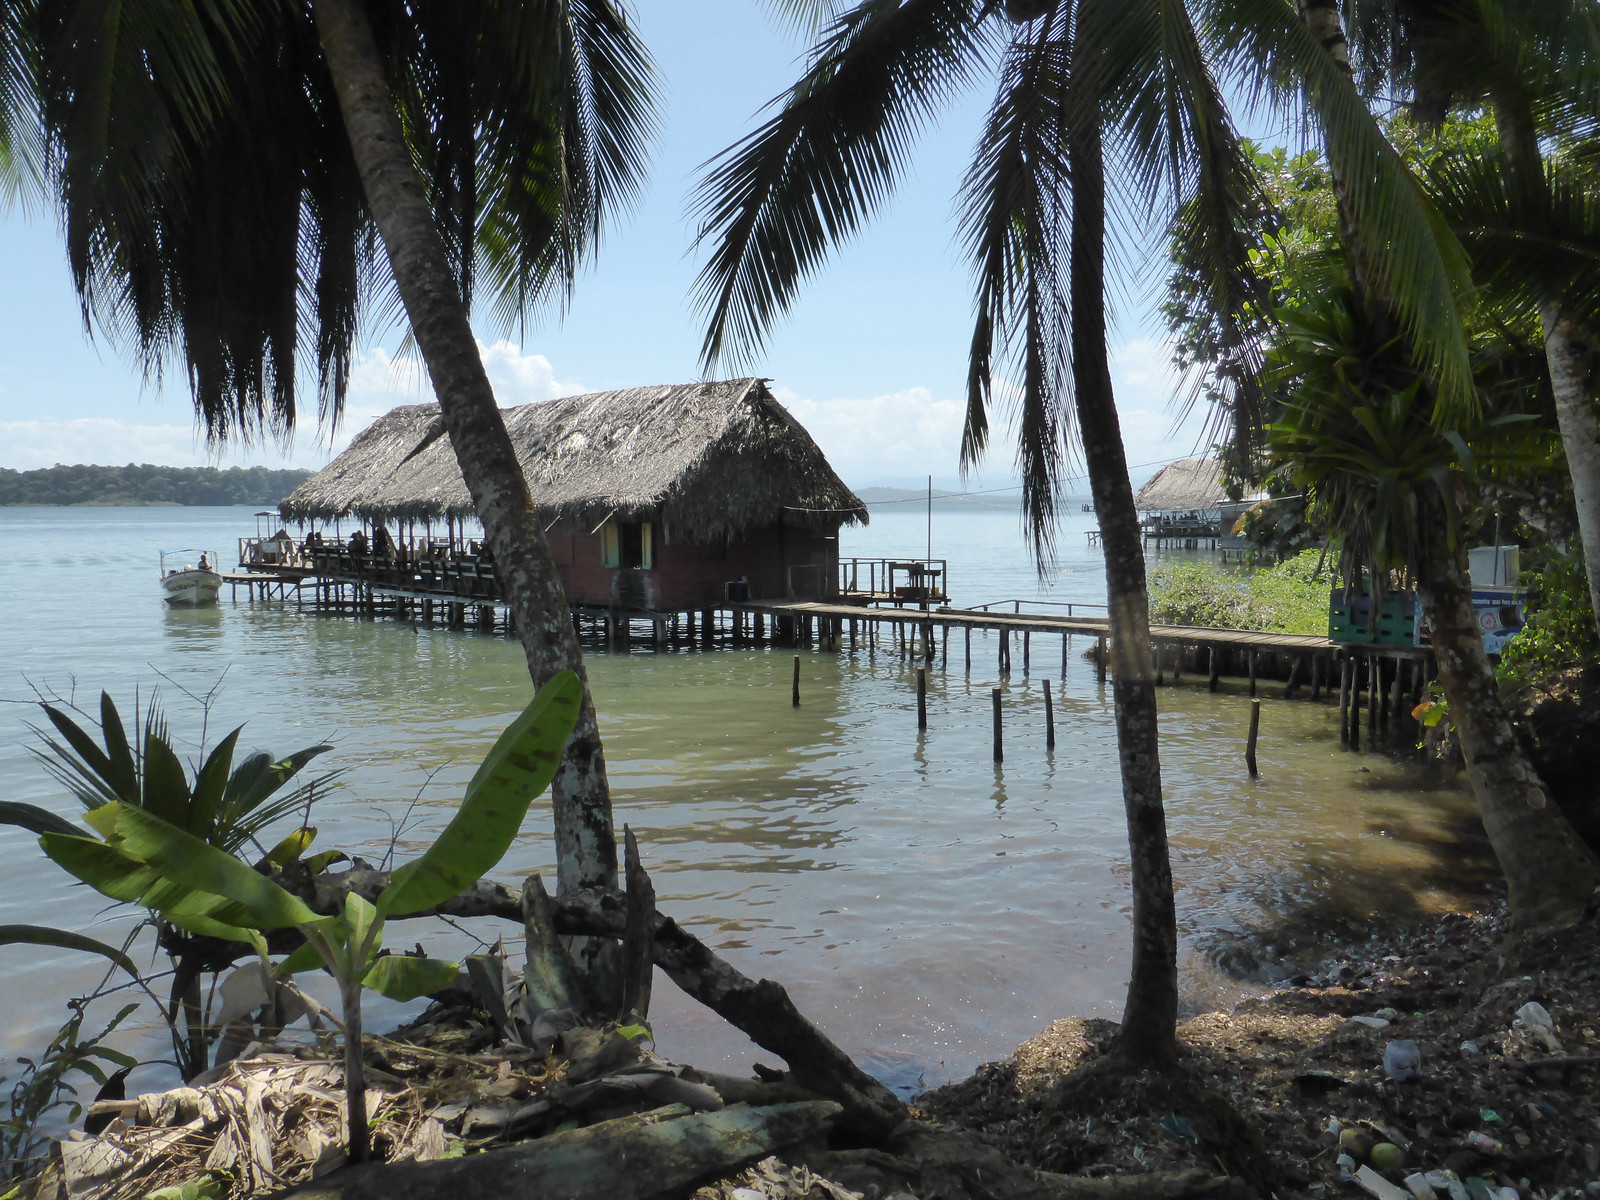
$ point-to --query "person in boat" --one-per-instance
(205, 563)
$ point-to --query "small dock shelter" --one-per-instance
(656, 499)
(1186, 505)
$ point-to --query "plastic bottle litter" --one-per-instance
(1470, 1049)
(1478, 1140)
(1374, 1184)
(1419, 1187)
(1346, 1165)
(1402, 1059)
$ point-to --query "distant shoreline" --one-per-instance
(144, 485)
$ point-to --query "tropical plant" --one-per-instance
(480, 146)
(1081, 83)
(46, 1084)
(222, 804)
(1535, 66)
(1359, 436)
(207, 891)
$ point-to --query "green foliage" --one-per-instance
(1560, 630)
(223, 805)
(51, 1083)
(144, 483)
(1291, 597)
(205, 890)
(110, 766)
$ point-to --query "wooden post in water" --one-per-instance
(1049, 719)
(1374, 690)
(1294, 678)
(1355, 703)
(797, 681)
(1161, 670)
(1250, 744)
(944, 645)
(1316, 675)
(1005, 652)
(1396, 697)
(967, 631)
(999, 754)
(922, 697)
(1252, 671)
(1066, 641)
(1344, 699)
(1214, 662)
(1100, 657)
(1027, 639)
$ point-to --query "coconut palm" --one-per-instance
(1082, 83)
(227, 173)
(1359, 440)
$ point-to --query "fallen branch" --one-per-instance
(760, 1008)
(640, 1157)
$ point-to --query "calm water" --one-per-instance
(929, 909)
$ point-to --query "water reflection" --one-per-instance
(192, 628)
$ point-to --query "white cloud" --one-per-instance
(904, 436)
(378, 382)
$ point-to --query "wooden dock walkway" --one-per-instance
(1385, 680)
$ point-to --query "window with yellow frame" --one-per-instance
(627, 545)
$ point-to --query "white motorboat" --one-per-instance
(190, 581)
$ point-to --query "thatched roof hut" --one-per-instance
(1188, 485)
(710, 459)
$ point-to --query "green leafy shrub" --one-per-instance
(1560, 630)
(1291, 597)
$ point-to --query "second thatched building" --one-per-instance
(656, 498)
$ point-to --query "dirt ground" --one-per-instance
(1275, 1091)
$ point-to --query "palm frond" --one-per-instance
(1404, 245)
(1012, 215)
(774, 205)
(1181, 153)
(1528, 243)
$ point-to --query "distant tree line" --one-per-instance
(145, 483)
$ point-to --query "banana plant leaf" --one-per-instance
(518, 768)
(41, 935)
(192, 864)
(401, 977)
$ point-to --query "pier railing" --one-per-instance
(1071, 606)
(902, 580)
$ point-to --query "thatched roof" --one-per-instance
(709, 459)
(1189, 483)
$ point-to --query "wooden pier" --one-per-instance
(1374, 685)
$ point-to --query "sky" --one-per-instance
(872, 361)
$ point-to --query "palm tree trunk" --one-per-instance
(1550, 874)
(1577, 415)
(1150, 1016)
(585, 842)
